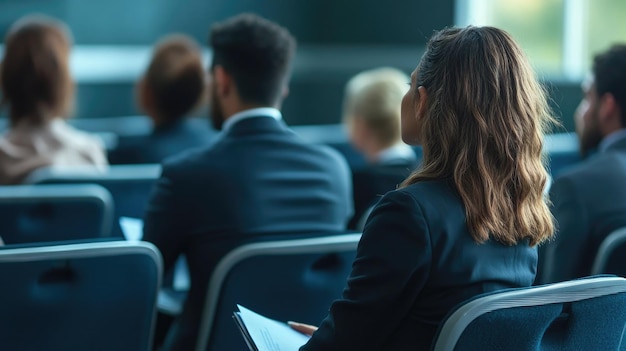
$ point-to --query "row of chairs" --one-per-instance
(130, 185)
(75, 203)
(102, 296)
(124, 192)
(68, 211)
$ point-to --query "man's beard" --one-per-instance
(590, 137)
(217, 114)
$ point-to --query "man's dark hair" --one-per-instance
(256, 53)
(609, 70)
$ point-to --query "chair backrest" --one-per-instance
(611, 256)
(363, 220)
(285, 280)
(583, 314)
(45, 213)
(130, 185)
(95, 296)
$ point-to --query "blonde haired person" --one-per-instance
(172, 87)
(38, 89)
(467, 222)
(372, 116)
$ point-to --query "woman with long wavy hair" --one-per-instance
(468, 221)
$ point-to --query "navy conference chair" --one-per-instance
(582, 314)
(611, 256)
(285, 280)
(130, 185)
(364, 217)
(47, 213)
(94, 296)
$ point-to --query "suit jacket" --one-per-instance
(588, 203)
(164, 141)
(416, 261)
(258, 178)
(372, 182)
(27, 147)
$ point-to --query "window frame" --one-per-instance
(572, 67)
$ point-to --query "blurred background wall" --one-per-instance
(337, 38)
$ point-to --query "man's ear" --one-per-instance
(422, 102)
(223, 81)
(609, 112)
(358, 131)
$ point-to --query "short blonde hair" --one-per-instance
(375, 96)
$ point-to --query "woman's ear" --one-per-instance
(223, 81)
(146, 101)
(358, 132)
(422, 102)
(143, 95)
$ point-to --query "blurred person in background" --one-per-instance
(38, 90)
(465, 223)
(172, 87)
(372, 114)
(589, 200)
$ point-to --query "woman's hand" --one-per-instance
(303, 328)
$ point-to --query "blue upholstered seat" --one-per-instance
(582, 314)
(45, 213)
(285, 280)
(611, 256)
(130, 185)
(95, 296)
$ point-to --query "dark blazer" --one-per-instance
(415, 262)
(164, 141)
(369, 184)
(588, 203)
(258, 178)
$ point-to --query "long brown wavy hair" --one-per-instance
(483, 127)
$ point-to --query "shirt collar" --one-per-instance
(251, 113)
(397, 152)
(611, 140)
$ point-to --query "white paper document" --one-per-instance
(132, 228)
(264, 334)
